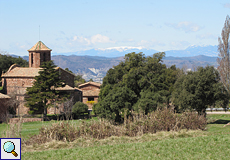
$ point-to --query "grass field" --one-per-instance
(212, 147)
(214, 143)
(32, 128)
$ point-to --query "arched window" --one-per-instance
(32, 58)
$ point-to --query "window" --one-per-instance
(32, 58)
(91, 99)
(44, 57)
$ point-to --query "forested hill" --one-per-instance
(95, 67)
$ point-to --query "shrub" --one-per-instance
(91, 102)
(79, 108)
(137, 125)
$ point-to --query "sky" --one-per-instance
(77, 25)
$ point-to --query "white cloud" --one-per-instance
(207, 36)
(81, 39)
(185, 26)
(227, 5)
(98, 38)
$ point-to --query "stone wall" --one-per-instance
(17, 85)
(67, 77)
(85, 99)
(23, 120)
(36, 58)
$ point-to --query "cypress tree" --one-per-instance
(42, 94)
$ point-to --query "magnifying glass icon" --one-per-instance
(9, 147)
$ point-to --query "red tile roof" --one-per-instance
(39, 46)
(22, 72)
(66, 88)
(92, 83)
(17, 71)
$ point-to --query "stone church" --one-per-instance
(16, 80)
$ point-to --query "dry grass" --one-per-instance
(13, 130)
(113, 140)
(137, 125)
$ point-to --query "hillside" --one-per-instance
(95, 63)
(95, 67)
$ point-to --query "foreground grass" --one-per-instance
(31, 128)
(212, 147)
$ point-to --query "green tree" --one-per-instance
(198, 90)
(90, 80)
(6, 61)
(138, 83)
(67, 69)
(79, 108)
(42, 94)
(78, 80)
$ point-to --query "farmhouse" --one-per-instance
(16, 80)
(91, 92)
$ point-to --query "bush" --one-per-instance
(79, 108)
(136, 125)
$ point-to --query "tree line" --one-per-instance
(6, 61)
(144, 84)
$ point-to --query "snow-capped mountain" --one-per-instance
(193, 50)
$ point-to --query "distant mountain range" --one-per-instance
(208, 50)
(95, 67)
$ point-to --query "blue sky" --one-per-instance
(76, 25)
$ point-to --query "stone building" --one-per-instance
(4, 99)
(91, 92)
(16, 80)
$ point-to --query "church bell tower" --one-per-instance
(38, 54)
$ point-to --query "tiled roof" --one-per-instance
(66, 88)
(39, 46)
(22, 72)
(16, 71)
(65, 70)
(3, 96)
(77, 88)
(91, 92)
(92, 83)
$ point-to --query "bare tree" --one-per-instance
(8, 105)
(3, 110)
(68, 104)
(223, 59)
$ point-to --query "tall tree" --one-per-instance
(138, 83)
(197, 90)
(42, 94)
(223, 61)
